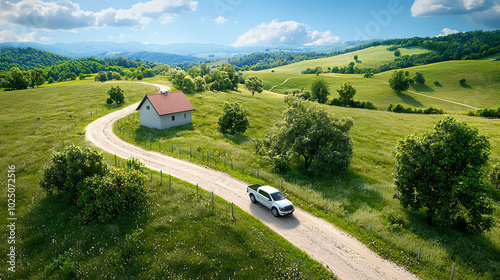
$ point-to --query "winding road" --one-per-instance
(345, 256)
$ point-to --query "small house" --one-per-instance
(165, 109)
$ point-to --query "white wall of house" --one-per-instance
(150, 118)
(148, 115)
(181, 118)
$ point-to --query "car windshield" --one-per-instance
(277, 196)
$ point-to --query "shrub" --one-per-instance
(104, 197)
(63, 264)
(72, 166)
(462, 82)
(234, 119)
(368, 75)
(401, 109)
(437, 83)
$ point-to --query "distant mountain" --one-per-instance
(88, 49)
(167, 58)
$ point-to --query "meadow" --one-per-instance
(355, 199)
(481, 89)
(175, 233)
(367, 58)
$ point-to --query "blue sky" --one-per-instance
(240, 22)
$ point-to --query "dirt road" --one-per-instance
(341, 253)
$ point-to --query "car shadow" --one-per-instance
(263, 214)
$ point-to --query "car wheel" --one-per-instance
(275, 212)
(252, 198)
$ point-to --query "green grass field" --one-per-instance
(174, 234)
(365, 192)
(367, 58)
(483, 82)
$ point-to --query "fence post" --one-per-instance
(419, 250)
(196, 190)
(190, 152)
(169, 181)
(370, 229)
(231, 163)
(180, 150)
(212, 199)
(274, 247)
(151, 172)
(452, 271)
(161, 177)
(115, 159)
(298, 268)
(208, 155)
(172, 147)
(347, 218)
(307, 198)
(232, 209)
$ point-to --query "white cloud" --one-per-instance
(446, 32)
(486, 12)
(285, 33)
(220, 20)
(13, 36)
(449, 7)
(66, 15)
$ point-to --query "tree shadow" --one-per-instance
(477, 251)
(422, 87)
(53, 226)
(237, 139)
(359, 61)
(410, 100)
(348, 188)
(464, 85)
(143, 133)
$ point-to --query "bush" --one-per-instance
(69, 168)
(437, 83)
(401, 109)
(462, 82)
(100, 193)
(368, 75)
(234, 119)
(104, 197)
(495, 175)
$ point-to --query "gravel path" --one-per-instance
(345, 256)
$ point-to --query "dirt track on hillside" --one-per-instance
(346, 257)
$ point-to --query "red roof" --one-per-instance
(173, 102)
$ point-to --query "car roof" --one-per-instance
(269, 189)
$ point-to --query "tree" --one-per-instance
(116, 94)
(398, 81)
(101, 77)
(178, 78)
(319, 90)
(234, 119)
(308, 133)
(397, 53)
(140, 77)
(200, 84)
(346, 92)
(356, 57)
(189, 84)
(440, 172)
(17, 79)
(419, 78)
(36, 78)
(462, 82)
(253, 84)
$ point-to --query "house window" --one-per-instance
(173, 118)
(147, 107)
(184, 115)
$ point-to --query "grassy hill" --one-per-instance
(173, 235)
(481, 91)
(365, 192)
(367, 58)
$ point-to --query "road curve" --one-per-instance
(345, 256)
